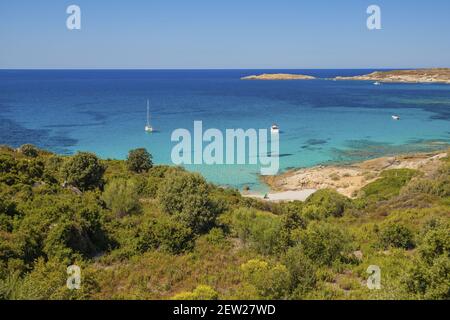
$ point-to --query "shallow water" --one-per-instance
(321, 120)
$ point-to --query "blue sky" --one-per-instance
(224, 34)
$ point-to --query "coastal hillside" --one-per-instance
(144, 231)
(436, 75)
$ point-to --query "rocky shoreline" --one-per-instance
(438, 75)
(433, 75)
(345, 179)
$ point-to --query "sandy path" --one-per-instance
(290, 195)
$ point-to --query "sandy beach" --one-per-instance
(299, 184)
(290, 195)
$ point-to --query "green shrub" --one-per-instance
(166, 234)
(20, 171)
(429, 281)
(186, 196)
(201, 292)
(84, 171)
(62, 227)
(271, 281)
(325, 203)
(7, 207)
(216, 236)
(292, 215)
(48, 281)
(292, 221)
(324, 243)
(29, 150)
(139, 160)
(397, 236)
(263, 231)
(435, 242)
(121, 196)
(302, 272)
(388, 185)
(45, 227)
(152, 186)
(53, 169)
(155, 178)
(7, 163)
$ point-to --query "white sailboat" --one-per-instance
(148, 127)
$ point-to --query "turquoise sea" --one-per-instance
(322, 121)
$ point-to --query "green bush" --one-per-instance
(186, 196)
(292, 215)
(429, 278)
(429, 281)
(292, 220)
(435, 242)
(139, 160)
(216, 236)
(302, 272)
(397, 236)
(84, 170)
(325, 203)
(121, 196)
(20, 171)
(155, 178)
(324, 243)
(300, 250)
(388, 185)
(7, 207)
(201, 292)
(263, 231)
(271, 281)
(60, 227)
(29, 150)
(53, 169)
(166, 234)
(48, 281)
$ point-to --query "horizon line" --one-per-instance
(206, 69)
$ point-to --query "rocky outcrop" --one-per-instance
(348, 180)
(438, 75)
(278, 76)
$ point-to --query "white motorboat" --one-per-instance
(395, 117)
(274, 129)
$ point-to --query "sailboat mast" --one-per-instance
(148, 113)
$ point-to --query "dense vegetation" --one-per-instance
(140, 231)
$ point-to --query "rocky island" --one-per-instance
(435, 75)
(278, 76)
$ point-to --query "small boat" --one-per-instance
(377, 83)
(274, 129)
(148, 127)
(396, 117)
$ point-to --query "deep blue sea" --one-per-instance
(322, 121)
